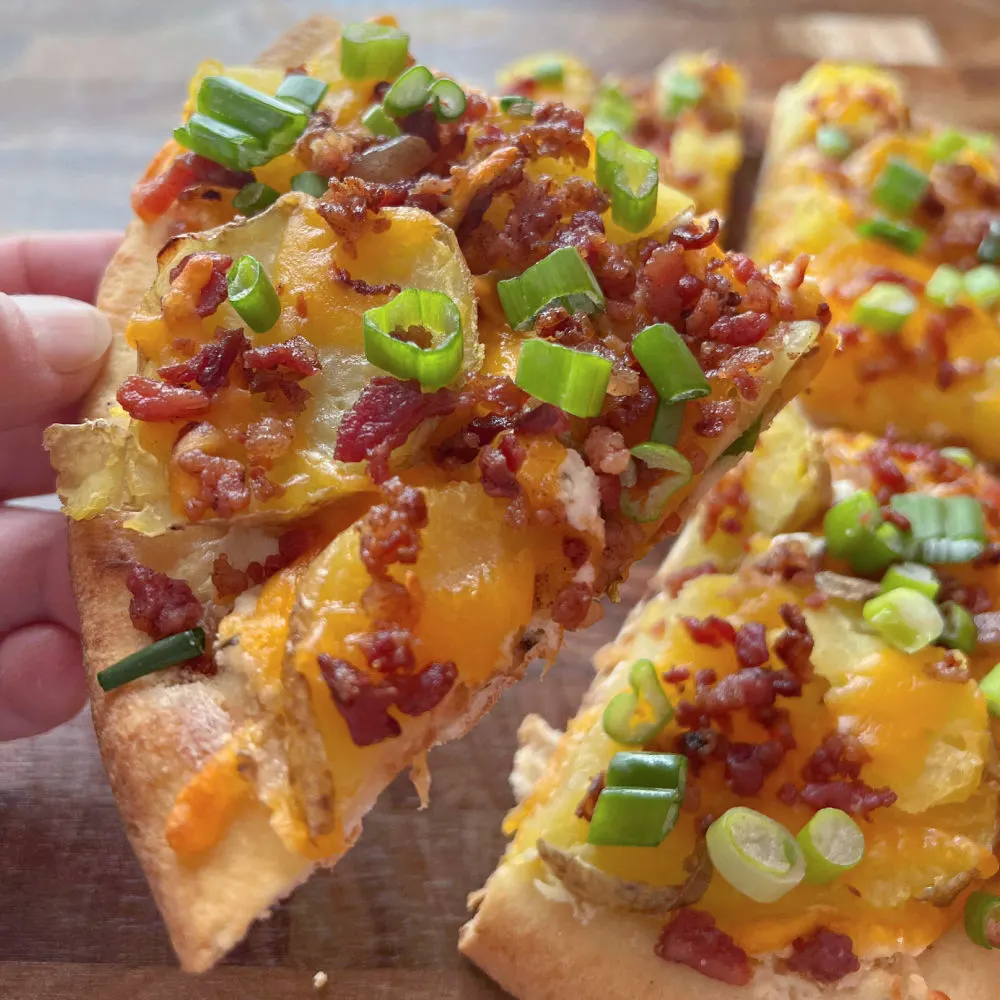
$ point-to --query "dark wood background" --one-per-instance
(88, 91)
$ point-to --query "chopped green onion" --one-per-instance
(943, 529)
(989, 248)
(904, 237)
(982, 143)
(669, 363)
(434, 312)
(905, 619)
(912, 576)
(379, 123)
(549, 71)
(253, 198)
(960, 630)
(517, 106)
(900, 187)
(160, 655)
(650, 506)
(302, 89)
(833, 141)
(631, 176)
(982, 284)
(370, 51)
(448, 99)
(963, 456)
(990, 686)
(661, 456)
(221, 143)
(629, 769)
(885, 307)
(410, 92)
(667, 423)
(572, 380)
(634, 817)
(747, 441)
(945, 286)
(683, 91)
(832, 844)
(755, 854)
(982, 918)
(275, 124)
(309, 182)
(252, 295)
(854, 531)
(634, 717)
(946, 144)
(611, 111)
(562, 278)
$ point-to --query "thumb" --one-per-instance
(52, 348)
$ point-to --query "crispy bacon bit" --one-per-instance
(854, 797)
(610, 263)
(676, 675)
(385, 414)
(350, 208)
(502, 170)
(544, 419)
(824, 956)
(153, 196)
(215, 288)
(625, 411)
(363, 704)
(463, 446)
(753, 688)
(224, 487)
(715, 417)
(710, 631)
(228, 580)
(790, 561)
(692, 939)
(209, 368)
(576, 550)
(728, 494)
(886, 474)
(974, 597)
(795, 645)
(606, 451)
(692, 238)
(361, 286)
(749, 764)
(840, 755)
(896, 517)
(387, 601)
(161, 605)
(751, 645)
(740, 330)
(388, 650)
(586, 806)
(418, 694)
(296, 354)
(556, 131)
(390, 531)
(261, 486)
(674, 583)
(147, 399)
(661, 292)
(498, 467)
(572, 604)
(268, 439)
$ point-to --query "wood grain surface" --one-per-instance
(88, 91)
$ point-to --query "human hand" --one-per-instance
(52, 343)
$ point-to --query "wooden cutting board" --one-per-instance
(87, 93)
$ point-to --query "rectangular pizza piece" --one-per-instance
(902, 218)
(779, 783)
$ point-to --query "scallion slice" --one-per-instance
(650, 507)
(434, 312)
(912, 576)
(252, 295)
(611, 111)
(682, 91)
(832, 844)
(165, 653)
(667, 423)
(572, 380)
(982, 919)
(562, 278)
(982, 143)
(549, 71)
(629, 769)
(410, 92)
(302, 89)
(221, 143)
(309, 182)
(959, 628)
(833, 141)
(747, 441)
(755, 854)
(885, 307)
(989, 247)
(901, 235)
(900, 187)
(946, 144)
(982, 285)
(943, 529)
(905, 619)
(631, 176)
(661, 456)
(379, 123)
(634, 717)
(370, 51)
(517, 106)
(669, 363)
(854, 531)
(253, 198)
(963, 456)
(945, 286)
(990, 686)
(274, 123)
(634, 817)
(448, 99)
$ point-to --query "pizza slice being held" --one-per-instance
(689, 115)
(781, 781)
(403, 383)
(903, 220)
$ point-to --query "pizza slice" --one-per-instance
(903, 221)
(782, 780)
(689, 115)
(405, 378)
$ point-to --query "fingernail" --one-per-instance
(70, 335)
